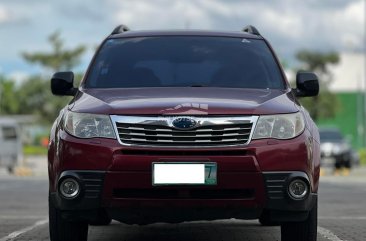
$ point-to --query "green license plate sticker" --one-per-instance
(210, 174)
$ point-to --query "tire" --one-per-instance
(348, 164)
(301, 231)
(65, 230)
(11, 170)
(103, 221)
(337, 164)
(265, 220)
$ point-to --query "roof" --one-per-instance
(7, 121)
(151, 33)
(17, 119)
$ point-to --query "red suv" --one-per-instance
(173, 126)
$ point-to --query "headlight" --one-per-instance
(83, 125)
(284, 126)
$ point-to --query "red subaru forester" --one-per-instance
(173, 126)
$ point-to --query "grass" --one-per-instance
(362, 153)
(34, 150)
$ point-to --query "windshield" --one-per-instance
(330, 135)
(183, 61)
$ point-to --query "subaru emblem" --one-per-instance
(184, 123)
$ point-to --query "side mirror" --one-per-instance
(62, 83)
(307, 84)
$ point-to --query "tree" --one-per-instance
(34, 94)
(316, 61)
(60, 58)
(9, 104)
(36, 98)
(326, 103)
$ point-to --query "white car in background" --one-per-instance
(336, 150)
(10, 144)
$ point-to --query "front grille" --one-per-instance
(215, 131)
(184, 194)
(210, 135)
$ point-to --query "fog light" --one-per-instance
(298, 189)
(70, 188)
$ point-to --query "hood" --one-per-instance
(184, 101)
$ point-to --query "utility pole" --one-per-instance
(360, 112)
(1, 91)
(364, 76)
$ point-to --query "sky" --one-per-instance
(290, 25)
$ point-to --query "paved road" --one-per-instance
(23, 216)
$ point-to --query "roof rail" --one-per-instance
(252, 30)
(120, 29)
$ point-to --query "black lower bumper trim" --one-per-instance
(144, 216)
(91, 183)
(276, 184)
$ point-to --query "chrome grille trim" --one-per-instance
(158, 131)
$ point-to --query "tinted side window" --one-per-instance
(330, 135)
(9, 133)
(181, 61)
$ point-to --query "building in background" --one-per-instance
(349, 85)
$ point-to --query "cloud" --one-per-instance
(94, 11)
(285, 23)
(161, 14)
(289, 25)
(18, 76)
(348, 24)
(4, 15)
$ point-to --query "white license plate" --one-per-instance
(184, 173)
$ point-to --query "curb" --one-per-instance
(23, 171)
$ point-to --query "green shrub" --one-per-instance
(362, 153)
(34, 150)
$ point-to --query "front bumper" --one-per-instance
(124, 189)
(103, 190)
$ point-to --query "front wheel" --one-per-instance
(265, 219)
(301, 231)
(62, 229)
